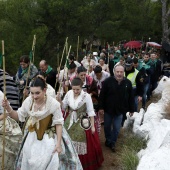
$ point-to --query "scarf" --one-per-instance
(48, 69)
(24, 71)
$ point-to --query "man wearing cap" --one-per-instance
(115, 100)
(136, 79)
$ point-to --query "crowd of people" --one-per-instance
(63, 112)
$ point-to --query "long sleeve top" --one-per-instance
(116, 98)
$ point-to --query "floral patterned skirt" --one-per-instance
(13, 139)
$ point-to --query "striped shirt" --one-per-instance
(12, 92)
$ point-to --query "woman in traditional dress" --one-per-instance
(80, 125)
(103, 65)
(89, 86)
(99, 76)
(24, 74)
(89, 63)
(13, 138)
(46, 137)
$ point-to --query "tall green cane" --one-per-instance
(29, 67)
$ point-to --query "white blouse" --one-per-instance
(50, 91)
(77, 103)
(86, 64)
(52, 106)
(63, 75)
(104, 76)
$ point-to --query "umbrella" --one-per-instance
(154, 44)
(133, 44)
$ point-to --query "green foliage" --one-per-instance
(129, 160)
(132, 144)
(54, 20)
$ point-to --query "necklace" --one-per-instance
(39, 106)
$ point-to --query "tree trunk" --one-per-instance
(165, 26)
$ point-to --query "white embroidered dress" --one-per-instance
(37, 154)
(75, 104)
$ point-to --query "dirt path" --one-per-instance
(110, 158)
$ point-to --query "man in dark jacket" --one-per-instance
(115, 100)
(50, 73)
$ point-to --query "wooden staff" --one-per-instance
(62, 56)
(29, 67)
(66, 88)
(4, 118)
(33, 48)
(58, 55)
(77, 48)
(60, 64)
(66, 46)
(65, 66)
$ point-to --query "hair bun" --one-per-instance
(39, 81)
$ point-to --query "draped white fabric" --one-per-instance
(37, 154)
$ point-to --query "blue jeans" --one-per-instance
(136, 104)
(135, 100)
(112, 125)
(146, 88)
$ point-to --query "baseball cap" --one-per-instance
(129, 62)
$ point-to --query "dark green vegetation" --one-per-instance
(54, 20)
